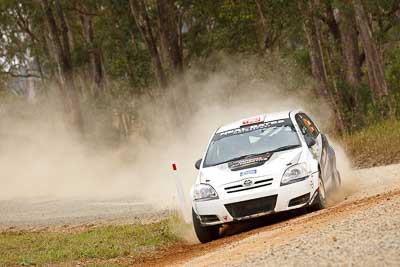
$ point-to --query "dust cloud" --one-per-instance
(41, 157)
(349, 177)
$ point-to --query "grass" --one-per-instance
(375, 145)
(102, 243)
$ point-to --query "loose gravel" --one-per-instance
(44, 213)
(362, 228)
(366, 238)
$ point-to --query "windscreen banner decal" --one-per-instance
(250, 128)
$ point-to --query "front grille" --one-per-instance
(299, 200)
(241, 187)
(208, 218)
(251, 207)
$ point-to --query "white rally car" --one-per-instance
(261, 165)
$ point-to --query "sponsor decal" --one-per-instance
(248, 172)
(243, 163)
(252, 127)
(251, 121)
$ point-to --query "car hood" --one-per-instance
(274, 167)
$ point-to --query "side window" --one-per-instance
(310, 125)
(304, 130)
(307, 124)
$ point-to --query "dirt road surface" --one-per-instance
(360, 228)
(45, 212)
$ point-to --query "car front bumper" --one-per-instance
(257, 202)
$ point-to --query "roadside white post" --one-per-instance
(180, 195)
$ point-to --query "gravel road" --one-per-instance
(360, 230)
(366, 238)
(44, 213)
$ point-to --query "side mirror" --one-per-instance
(197, 164)
(309, 140)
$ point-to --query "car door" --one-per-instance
(309, 129)
(322, 150)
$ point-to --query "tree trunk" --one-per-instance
(263, 38)
(351, 56)
(96, 64)
(376, 76)
(315, 52)
(331, 20)
(170, 40)
(168, 21)
(31, 91)
(142, 20)
(63, 57)
(318, 68)
(349, 45)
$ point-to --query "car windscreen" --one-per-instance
(251, 140)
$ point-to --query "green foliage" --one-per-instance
(302, 58)
(124, 53)
(392, 70)
(377, 144)
(235, 26)
(43, 248)
(208, 27)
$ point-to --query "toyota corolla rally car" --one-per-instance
(261, 165)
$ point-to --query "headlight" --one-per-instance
(204, 192)
(295, 173)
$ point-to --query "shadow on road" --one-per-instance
(248, 225)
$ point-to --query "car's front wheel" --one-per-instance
(204, 233)
(320, 200)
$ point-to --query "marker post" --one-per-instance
(180, 194)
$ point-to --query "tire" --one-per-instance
(320, 200)
(205, 234)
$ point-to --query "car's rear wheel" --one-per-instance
(204, 233)
(320, 199)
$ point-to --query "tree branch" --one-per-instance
(24, 25)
